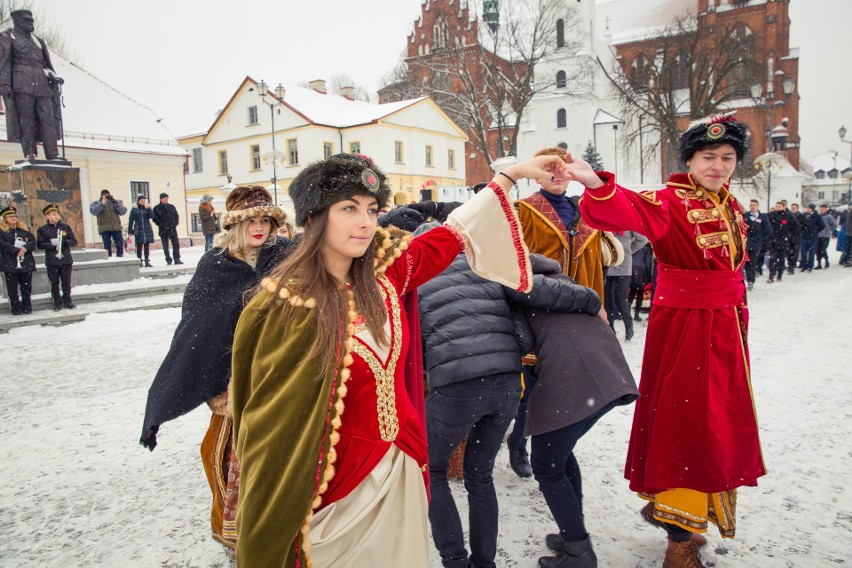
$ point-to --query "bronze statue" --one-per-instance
(30, 88)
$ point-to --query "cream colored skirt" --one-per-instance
(383, 522)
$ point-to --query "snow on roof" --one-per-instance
(779, 164)
(629, 20)
(338, 111)
(828, 161)
(98, 116)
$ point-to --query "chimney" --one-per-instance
(318, 85)
(348, 92)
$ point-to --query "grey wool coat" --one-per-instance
(580, 368)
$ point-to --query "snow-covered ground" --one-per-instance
(78, 489)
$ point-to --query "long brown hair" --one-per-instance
(305, 275)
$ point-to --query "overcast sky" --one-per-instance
(185, 58)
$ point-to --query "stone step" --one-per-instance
(80, 255)
(141, 288)
(65, 317)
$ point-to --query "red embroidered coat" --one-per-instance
(695, 424)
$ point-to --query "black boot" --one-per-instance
(520, 462)
(26, 305)
(68, 303)
(15, 304)
(628, 328)
(147, 264)
(573, 555)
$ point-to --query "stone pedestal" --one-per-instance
(35, 183)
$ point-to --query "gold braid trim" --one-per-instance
(604, 198)
(703, 215)
(713, 240)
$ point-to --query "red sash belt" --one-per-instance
(699, 289)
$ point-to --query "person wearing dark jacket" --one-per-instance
(759, 229)
(197, 368)
(812, 224)
(140, 228)
(56, 238)
(795, 238)
(166, 218)
(473, 364)
(108, 210)
(824, 237)
(581, 375)
(643, 267)
(16, 260)
(617, 282)
(209, 221)
(782, 222)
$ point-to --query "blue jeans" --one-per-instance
(516, 436)
(808, 253)
(108, 238)
(484, 407)
(208, 242)
(558, 474)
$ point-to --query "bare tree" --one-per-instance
(688, 71)
(340, 82)
(50, 32)
(486, 86)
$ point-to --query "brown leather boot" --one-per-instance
(647, 513)
(682, 555)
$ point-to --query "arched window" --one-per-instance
(561, 118)
(681, 78)
(639, 71)
(441, 33)
(560, 33)
(742, 75)
(560, 80)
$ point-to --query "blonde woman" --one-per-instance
(198, 366)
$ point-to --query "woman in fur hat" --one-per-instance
(328, 388)
(16, 260)
(695, 438)
(197, 368)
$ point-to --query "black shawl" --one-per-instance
(198, 364)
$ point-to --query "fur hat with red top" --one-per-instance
(712, 130)
(326, 182)
(247, 201)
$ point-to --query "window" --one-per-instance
(223, 162)
(327, 150)
(560, 80)
(429, 161)
(139, 189)
(252, 115)
(639, 71)
(451, 159)
(820, 195)
(561, 118)
(560, 33)
(832, 174)
(197, 162)
(397, 152)
(354, 147)
(255, 157)
(195, 222)
(682, 70)
(820, 174)
(743, 76)
(293, 152)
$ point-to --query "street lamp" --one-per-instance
(274, 155)
(756, 92)
(767, 164)
(842, 133)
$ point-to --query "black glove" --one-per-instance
(425, 208)
(405, 218)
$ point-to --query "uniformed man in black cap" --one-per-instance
(30, 87)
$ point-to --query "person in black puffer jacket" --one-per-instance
(473, 364)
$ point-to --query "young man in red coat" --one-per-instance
(694, 439)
